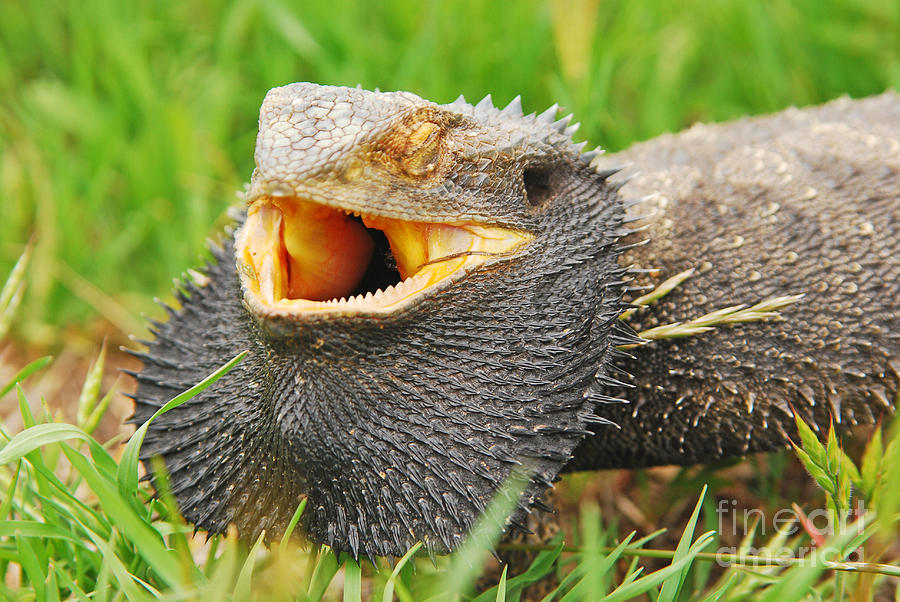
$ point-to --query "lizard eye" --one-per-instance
(422, 146)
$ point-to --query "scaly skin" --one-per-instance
(401, 427)
(802, 202)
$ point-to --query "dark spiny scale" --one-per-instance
(136, 373)
(153, 359)
(590, 155)
(624, 334)
(519, 527)
(612, 382)
(562, 124)
(598, 420)
(601, 398)
(609, 171)
(634, 245)
(630, 219)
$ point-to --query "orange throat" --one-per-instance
(301, 257)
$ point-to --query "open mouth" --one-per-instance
(302, 257)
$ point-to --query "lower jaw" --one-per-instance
(301, 259)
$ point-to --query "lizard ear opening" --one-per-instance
(539, 187)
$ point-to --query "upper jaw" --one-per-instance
(300, 260)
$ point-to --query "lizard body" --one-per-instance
(804, 202)
(430, 296)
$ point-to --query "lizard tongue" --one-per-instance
(303, 250)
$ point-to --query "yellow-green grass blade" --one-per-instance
(128, 466)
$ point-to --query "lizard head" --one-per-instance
(364, 204)
(427, 293)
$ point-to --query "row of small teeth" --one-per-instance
(397, 290)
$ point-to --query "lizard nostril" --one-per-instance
(538, 186)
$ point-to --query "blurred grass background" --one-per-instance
(127, 127)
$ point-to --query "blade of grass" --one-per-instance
(93, 421)
(640, 542)
(12, 292)
(126, 581)
(658, 293)
(35, 437)
(388, 595)
(325, 570)
(724, 587)
(537, 570)
(33, 528)
(25, 372)
(871, 464)
(14, 279)
(226, 568)
(70, 584)
(176, 537)
(672, 585)
(796, 583)
(211, 555)
(31, 566)
(51, 589)
(127, 472)
(352, 581)
(631, 589)
(467, 562)
(7, 504)
(24, 409)
(57, 489)
(148, 542)
(292, 525)
(888, 498)
(582, 572)
(242, 588)
(101, 589)
(90, 389)
(501, 587)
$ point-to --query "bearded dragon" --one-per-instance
(431, 296)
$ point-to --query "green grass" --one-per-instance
(127, 127)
